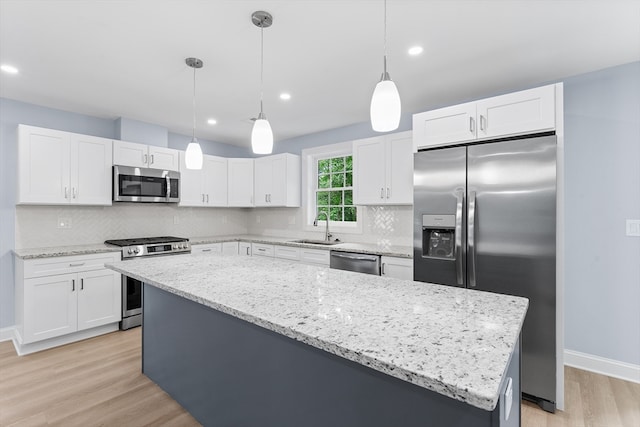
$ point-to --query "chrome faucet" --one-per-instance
(327, 235)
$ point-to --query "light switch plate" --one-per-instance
(633, 227)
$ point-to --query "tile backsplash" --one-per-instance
(45, 226)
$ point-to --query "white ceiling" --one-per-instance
(122, 58)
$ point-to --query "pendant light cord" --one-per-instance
(385, 38)
(193, 137)
(261, 64)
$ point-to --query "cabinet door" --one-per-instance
(91, 160)
(214, 182)
(263, 179)
(278, 193)
(445, 126)
(314, 256)
(399, 168)
(163, 158)
(191, 191)
(369, 186)
(244, 248)
(398, 268)
(50, 307)
(43, 166)
(99, 298)
(240, 182)
(230, 248)
(517, 113)
(130, 154)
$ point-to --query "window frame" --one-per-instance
(310, 159)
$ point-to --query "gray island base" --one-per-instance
(251, 341)
(228, 372)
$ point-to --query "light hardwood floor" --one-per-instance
(98, 382)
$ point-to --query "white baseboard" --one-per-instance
(7, 334)
(601, 365)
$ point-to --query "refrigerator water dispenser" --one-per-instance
(438, 236)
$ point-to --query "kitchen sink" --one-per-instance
(317, 242)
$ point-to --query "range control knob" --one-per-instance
(136, 250)
(181, 246)
(130, 251)
(174, 247)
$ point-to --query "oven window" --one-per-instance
(133, 185)
(133, 294)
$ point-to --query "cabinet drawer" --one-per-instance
(63, 265)
(230, 248)
(207, 248)
(287, 252)
(260, 249)
(314, 256)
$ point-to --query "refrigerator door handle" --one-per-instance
(458, 248)
(471, 236)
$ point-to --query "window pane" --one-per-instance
(348, 197)
(324, 181)
(322, 211)
(322, 198)
(348, 182)
(348, 163)
(337, 164)
(336, 214)
(337, 180)
(350, 214)
(323, 166)
(336, 198)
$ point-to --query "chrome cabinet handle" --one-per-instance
(73, 285)
(207, 198)
(77, 264)
(472, 127)
(73, 192)
(472, 239)
(81, 284)
(382, 193)
(483, 123)
(382, 268)
(458, 231)
(146, 159)
(202, 197)
(247, 250)
(265, 198)
(261, 249)
(66, 193)
(206, 250)
(355, 257)
(388, 192)
(152, 159)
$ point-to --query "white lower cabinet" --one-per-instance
(206, 248)
(314, 256)
(287, 252)
(230, 248)
(261, 249)
(398, 268)
(244, 248)
(64, 295)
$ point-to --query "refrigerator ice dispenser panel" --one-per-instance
(438, 236)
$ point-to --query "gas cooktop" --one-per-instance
(145, 241)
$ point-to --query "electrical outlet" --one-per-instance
(633, 227)
(64, 222)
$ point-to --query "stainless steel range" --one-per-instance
(132, 288)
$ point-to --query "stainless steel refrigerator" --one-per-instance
(485, 219)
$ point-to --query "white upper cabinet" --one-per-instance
(56, 167)
(204, 187)
(145, 156)
(277, 180)
(515, 113)
(240, 182)
(383, 170)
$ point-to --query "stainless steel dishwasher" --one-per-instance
(351, 261)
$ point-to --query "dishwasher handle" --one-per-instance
(372, 258)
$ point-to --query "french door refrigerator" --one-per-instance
(485, 219)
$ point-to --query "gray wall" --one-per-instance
(602, 173)
(602, 147)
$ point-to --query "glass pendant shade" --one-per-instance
(193, 157)
(262, 136)
(385, 106)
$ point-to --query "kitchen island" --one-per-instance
(263, 342)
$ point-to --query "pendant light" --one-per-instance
(261, 135)
(193, 157)
(385, 102)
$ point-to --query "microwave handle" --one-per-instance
(168, 187)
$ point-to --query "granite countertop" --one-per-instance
(456, 342)
(365, 248)
(32, 253)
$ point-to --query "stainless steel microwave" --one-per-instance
(145, 185)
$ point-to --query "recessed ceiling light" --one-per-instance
(415, 50)
(285, 96)
(212, 121)
(9, 69)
